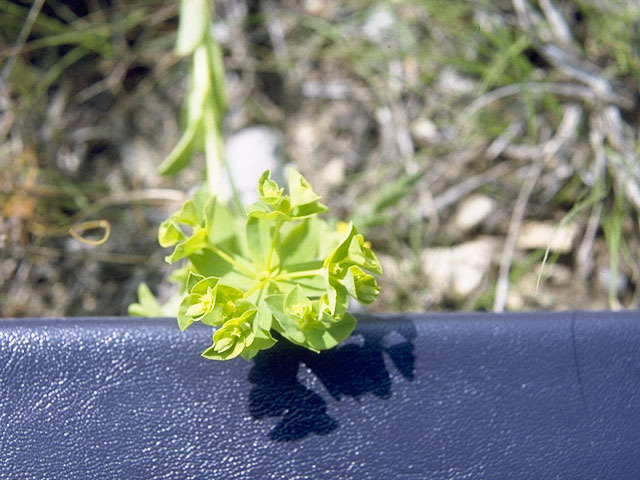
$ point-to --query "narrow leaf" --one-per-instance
(180, 155)
(192, 29)
(260, 240)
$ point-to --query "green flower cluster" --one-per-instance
(279, 268)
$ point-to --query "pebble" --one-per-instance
(459, 270)
(333, 173)
(604, 279)
(378, 26)
(542, 234)
(452, 84)
(472, 211)
(425, 133)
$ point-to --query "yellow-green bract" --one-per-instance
(279, 268)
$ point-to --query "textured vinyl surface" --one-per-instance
(439, 396)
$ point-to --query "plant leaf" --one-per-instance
(317, 335)
(202, 286)
(219, 221)
(147, 305)
(184, 320)
(262, 341)
(193, 25)
(194, 243)
(232, 338)
(208, 263)
(300, 243)
(188, 214)
(284, 324)
(192, 279)
(170, 233)
(300, 190)
(260, 236)
(180, 155)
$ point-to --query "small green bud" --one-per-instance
(269, 191)
(233, 337)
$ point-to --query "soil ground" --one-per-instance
(455, 134)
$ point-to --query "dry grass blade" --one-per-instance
(468, 185)
(34, 11)
(559, 27)
(625, 170)
(504, 140)
(502, 286)
(79, 230)
(584, 255)
(566, 131)
(570, 90)
(469, 94)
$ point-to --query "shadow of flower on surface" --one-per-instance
(353, 369)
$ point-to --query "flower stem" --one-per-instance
(299, 274)
(231, 261)
(257, 286)
(274, 241)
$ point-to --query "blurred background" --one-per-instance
(487, 149)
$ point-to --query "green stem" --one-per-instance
(257, 286)
(299, 274)
(260, 294)
(230, 260)
(212, 147)
(216, 99)
(274, 240)
(234, 189)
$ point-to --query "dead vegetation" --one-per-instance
(465, 137)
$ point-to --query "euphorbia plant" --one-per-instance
(279, 267)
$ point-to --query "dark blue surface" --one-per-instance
(440, 396)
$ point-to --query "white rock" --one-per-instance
(451, 83)
(425, 132)
(250, 152)
(305, 138)
(459, 270)
(378, 27)
(333, 173)
(472, 211)
(321, 8)
(535, 234)
(515, 301)
(604, 279)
